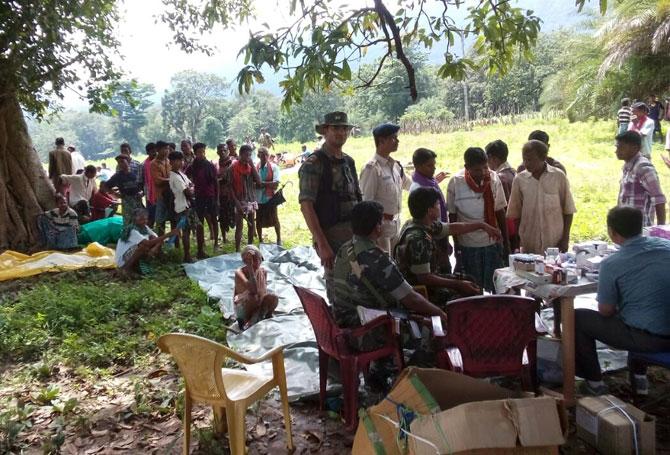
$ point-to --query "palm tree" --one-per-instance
(635, 28)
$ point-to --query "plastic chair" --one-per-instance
(661, 359)
(491, 332)
(229, 391)
(333, 342)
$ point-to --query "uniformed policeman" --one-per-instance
(329, 190)
(383, 180)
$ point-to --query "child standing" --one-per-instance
(182, 189)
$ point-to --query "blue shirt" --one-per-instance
(261, 193)
(637, 280)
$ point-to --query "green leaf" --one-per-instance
(346, 71)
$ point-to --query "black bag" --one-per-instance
(278, 198)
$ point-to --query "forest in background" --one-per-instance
(580, 73)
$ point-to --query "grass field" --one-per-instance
(64, 335)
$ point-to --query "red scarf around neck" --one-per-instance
(485, 188)
(639, 122)
(239, 170)
(269, 191)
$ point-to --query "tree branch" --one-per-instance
(386, 19)
(374, 76)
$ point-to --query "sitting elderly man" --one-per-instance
(417, 254)
(633, 312)
(58, 227)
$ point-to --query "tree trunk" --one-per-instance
(25, 189)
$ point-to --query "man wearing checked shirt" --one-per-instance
(639, 186)
(382, 180)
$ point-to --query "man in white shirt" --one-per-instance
(82, 188)
(382, 180)
(641, 123)
(137, 242)
(475, 194)
(183, 192)
(78, 160)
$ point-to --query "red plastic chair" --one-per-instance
(491, 332)
(333, 342)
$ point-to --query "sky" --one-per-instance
(149, 58)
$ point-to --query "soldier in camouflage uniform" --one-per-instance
(364, 275)
(328, 191)
(417, 255)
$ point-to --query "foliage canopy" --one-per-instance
(48, 46)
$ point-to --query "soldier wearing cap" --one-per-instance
(328, 192)
(382, 180)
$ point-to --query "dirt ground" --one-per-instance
(134, 412)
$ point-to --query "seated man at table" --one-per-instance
(633, 312)
(417, 254)
(364, 275)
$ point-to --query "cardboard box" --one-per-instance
(457, 414)
(606, 428)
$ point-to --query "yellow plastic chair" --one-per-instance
(229, 391)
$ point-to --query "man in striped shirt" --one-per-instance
(640, 187)
(623, 116)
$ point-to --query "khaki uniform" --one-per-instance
(382, 180)
(60, 163)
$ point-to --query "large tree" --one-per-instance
(45, 47)
(190, 100)
(326, 39)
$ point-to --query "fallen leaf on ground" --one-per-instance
(157, 373)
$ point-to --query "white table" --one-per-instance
(506, 279)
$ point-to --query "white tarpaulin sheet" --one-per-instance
(289, 328)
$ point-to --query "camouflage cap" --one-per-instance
(333, 119)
